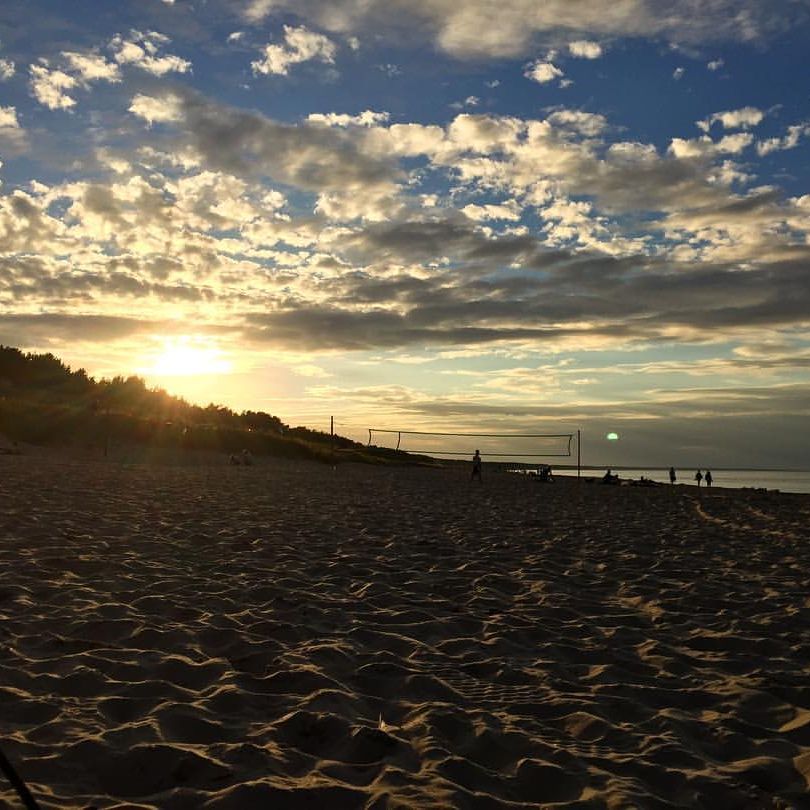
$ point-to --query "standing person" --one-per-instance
(708, 478)
(476, 468)
(672, 475)
(698, 477)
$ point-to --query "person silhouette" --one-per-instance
(698, 477)
(672, 477)
(476, 468)
(708, 477)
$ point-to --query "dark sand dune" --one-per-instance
(290, 636)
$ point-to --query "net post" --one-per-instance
(399, 439)
(369, 437)
(332, 438)
(579, 453)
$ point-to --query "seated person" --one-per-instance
(544, 474)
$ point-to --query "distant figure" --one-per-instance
(476, 468)
(247, 457)
(544, 474)
(610, 478)
(672, 478)
(709, 478)
(233, 460)
(698, 477)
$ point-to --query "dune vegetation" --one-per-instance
(45, 402)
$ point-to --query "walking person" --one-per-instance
(672, 475)
(709, 478)
(476, 468)
(698, 477)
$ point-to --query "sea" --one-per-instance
(783, 480)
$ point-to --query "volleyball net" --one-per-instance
(518, 447)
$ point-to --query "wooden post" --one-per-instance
(332, 438)
(579, 452)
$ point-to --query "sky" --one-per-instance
(437, 215)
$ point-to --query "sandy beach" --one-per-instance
(292, 636)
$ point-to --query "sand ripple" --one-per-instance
(291, 636)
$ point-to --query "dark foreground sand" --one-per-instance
(286, 636)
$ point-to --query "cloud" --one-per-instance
(6, 69)
(350, 259)
(542, 72)
(141, 50)
(50, 86)
(309, 155)
(300, 45)
(509, 210)
(744, 118)
(704, 146)
(585, 49)
(12, 135)
(161, 109)
(470, 101)
(90, 67)
(46, 328)
(585, 123)
(511, 28)
(367, 118)
(715, 65)
(8, 118)
(678, 73)
(790, 140)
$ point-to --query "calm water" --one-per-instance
(784, 480)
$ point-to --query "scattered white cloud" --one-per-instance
(236, 36)
(715, 65)
(790, 140)
(141, 50)
(744, 118)
(705, 146)
(12, 135)
(390, 70)
(470, 101)
(162, 109)
(585, 49)
(50, 86)
(6, 69)
(300, 45)
(53, 85)
(91, 67)
(542, 72)
(367, 118)
(492, 84)
(677, 74)
(509, 210)
(585, 123)
(8, 118)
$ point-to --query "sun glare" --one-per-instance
(184, 358)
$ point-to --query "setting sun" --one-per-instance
(184, 357)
